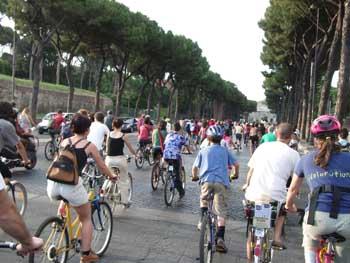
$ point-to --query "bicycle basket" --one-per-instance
(264, 214)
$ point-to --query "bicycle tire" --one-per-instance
(205, 248)
(18, 196)
(155, 176)
(139, 160)
(50, 151)
(150, 158)
(131, 188)
(100, 227)
(183, 177)
(169, 190)
(57, 225)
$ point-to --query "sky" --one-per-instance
(226, 30)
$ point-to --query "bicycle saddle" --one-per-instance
(337, 237)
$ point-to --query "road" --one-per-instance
(149, 231)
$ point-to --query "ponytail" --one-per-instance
(328, 146)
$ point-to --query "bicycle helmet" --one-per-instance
(215, 131)
(325, 125)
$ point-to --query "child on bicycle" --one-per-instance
(210, 168)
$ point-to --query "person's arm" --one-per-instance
(128, 144)
(12, 223)
(293, 192)
(236, 165)
(249, 176)
(92, 149)
(32, 122)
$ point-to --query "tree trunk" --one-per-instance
(58, 69)
(160, 98)
(70, 82)
(333, 62)
(172, 92)
(142, 91)
(98, 85)
(31, 62)
(36, 80)
(41, 65)
(305, 103)
(82, 74)
(176, 114)
(344, 69)
(90, 79)
(119, 88)
(149, 98)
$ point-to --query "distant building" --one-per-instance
(263, 113)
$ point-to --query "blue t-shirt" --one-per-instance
(212, 162)
(172, 146)
(337, 174)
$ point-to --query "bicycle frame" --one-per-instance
(325, 254)
(212, 222)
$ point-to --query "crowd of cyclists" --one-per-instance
(274, 160)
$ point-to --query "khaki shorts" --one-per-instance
(220, 198)
(326, 225)
(76, 195)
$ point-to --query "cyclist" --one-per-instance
(115, 156)
(109, 119)
(98, 131)
(269, 137)
(238, 131)
(194, 132)
(173, 144)
(158, 137)
(343, 140)
(327, 173)
(76, 195)
(140, 122)
(269, 169)
(210, 168)
(253, 136)
(203, 131)
(26, 121)
(168, 125)
(247, 127)
(56, 123)
(9, 138)
(145, 132)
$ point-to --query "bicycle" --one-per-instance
(207, 238)
(144, 153)
(62, 235)
(92, 177)
(110, 191)
(157, 174)
(52, 147)
(169, 188)
(326, 254)
(261, 218)
(18, 194)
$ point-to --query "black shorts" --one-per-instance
(254, 139)
(157, 151)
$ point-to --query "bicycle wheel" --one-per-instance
(169, 190)
(206, 252)
(102, 222)
(51, 231)
(155, 176)
(183, 177)
(50, 151)
(130, 187)
(18, 194)
(150, 158)
(139, 160)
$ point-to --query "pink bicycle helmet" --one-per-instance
(325, 124)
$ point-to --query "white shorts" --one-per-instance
(76, 195)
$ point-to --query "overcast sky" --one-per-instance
(226, 30)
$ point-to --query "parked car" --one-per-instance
(42, 126)
(130, 124)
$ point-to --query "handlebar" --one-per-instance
(9, 245)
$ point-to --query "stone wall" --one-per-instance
(51, 100)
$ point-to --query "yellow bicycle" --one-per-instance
(62, 234)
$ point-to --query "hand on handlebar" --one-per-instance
(36, 245)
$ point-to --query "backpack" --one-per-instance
(64, 169)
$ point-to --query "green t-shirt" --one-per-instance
(155, 137)
(268, 137)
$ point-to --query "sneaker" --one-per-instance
(220, 246)
(92, 257)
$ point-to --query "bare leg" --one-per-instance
(84, 213)
(249, 253)
(278, 229)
